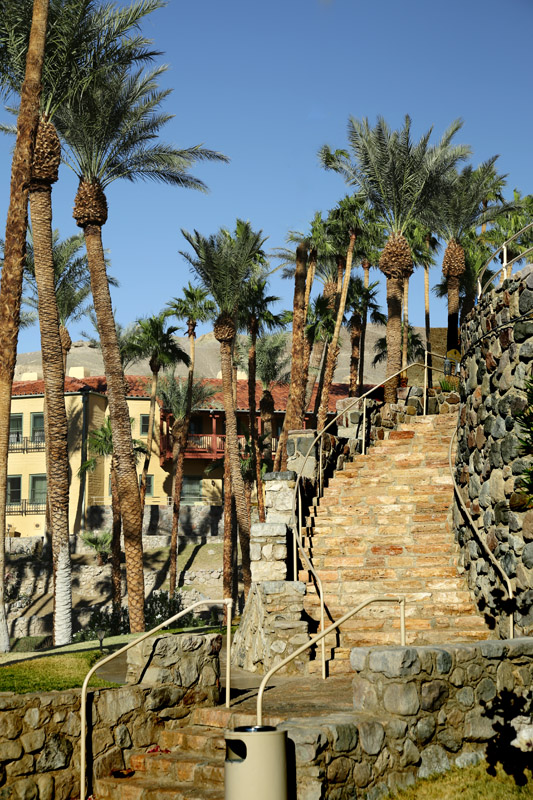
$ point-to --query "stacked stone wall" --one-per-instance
(418, 711)
(497, 343)
(40, 733)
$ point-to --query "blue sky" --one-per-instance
(268, 83)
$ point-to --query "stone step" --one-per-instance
(143, 787)
(193, 737)
(188, 767)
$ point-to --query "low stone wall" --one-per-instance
(498, 350)
(40, 733)
(417, 712)
(272, 628)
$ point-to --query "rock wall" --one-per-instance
(40, 733)
(497, 343)
(418, 711)
(272, 628)
(196, 523)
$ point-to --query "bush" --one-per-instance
(100, 543)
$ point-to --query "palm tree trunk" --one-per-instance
(333, 349)
(364, 321)
(315, 363)
(428, 324)
(394, 335)
(322, 376)
(232, 443)
(149, 440)
(14, 257)
(452, 342)
(228, 579)
(405, 330)
(355, 345)
(252, 412)
(307, 347)
(128, 487)
(180, 431)
(116, 576)
(294, 413)
(267, 418)
(56, 436)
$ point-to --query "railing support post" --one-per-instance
(425, 381)
(363, 449)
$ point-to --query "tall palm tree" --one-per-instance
(319, 333)
(84, 40)
(181, 400)
(461, 209)
(153, 340)
(109, 132)
(295, 403)
(14, 253)
(223, 262)
(257, 318)
(360, 302)
(400, 178)
(415, 347)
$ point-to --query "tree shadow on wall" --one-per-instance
(200, 536)
(504, 709)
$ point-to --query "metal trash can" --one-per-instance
(256, 763)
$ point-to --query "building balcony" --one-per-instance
(26, 444)
(25, 507)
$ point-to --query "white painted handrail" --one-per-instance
(506, 264)
(320, 636)
(495, 563)
(83, 702)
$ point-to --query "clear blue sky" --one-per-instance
(267, 83)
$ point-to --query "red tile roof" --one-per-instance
(138, 386)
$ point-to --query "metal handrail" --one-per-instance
(495, 563)
(83, 702)
(321, 636)
(506, 264)
(297, 541)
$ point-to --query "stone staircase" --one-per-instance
(187, 765)
(383, 526)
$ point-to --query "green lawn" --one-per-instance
(470, 783)
(57, 672)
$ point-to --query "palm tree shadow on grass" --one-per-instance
(187, 525)
(502, 710)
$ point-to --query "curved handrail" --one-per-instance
(506, 263)
(495, 563)
(322, 635)
(83, 702)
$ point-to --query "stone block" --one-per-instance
(371, 736)
(434, 761)
(56, 754)
(395, 662)
(401, 698)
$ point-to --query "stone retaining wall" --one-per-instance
(196, 522)
(417, 712)
(498, 354)
(40, 733)
(272, 628)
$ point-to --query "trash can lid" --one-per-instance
(255, 728)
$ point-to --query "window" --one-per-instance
(38, 489)
(191, 491)
(15, 428)
(195, 426)
(149, 485)
(145, 419)
(37, 428)
(14, 489)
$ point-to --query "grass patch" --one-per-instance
(31, 644)
(470, 783)
(49, 673)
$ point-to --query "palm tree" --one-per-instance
(153, 340)
(295, 403)
(181, 399)
(257, 318)
(223, 262)
(100, 442)
(461, 209)
(319, 333)
(399, 178)
(360, 301)
(14, 253)
(84, 41)
(273, 368)
(124, 336)
(509, 224)
(109, 132)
